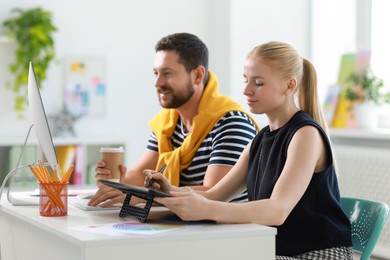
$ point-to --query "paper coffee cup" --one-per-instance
(113, 156)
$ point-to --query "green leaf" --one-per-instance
(365, 87)
(33, 30)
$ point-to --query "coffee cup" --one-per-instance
(113, 156)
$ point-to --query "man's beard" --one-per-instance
(178, 99)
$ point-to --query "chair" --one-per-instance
(367, 220)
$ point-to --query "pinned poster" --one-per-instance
(85, 86)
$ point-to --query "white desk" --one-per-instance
(26, 235)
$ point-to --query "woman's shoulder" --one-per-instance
(301, 119)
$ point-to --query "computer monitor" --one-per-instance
(39, 119)
(42, 130)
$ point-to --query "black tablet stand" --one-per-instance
(140, 192)
(140, 213)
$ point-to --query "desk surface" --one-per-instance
(60, 230)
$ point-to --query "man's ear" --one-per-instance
(199, 74)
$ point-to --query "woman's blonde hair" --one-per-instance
(286, 60)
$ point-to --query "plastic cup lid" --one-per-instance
(112, 150)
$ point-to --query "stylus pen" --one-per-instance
(151, 181)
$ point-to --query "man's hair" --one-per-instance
(191, 50)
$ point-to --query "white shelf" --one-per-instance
(376, 138)
(85, 151)
(368, 134)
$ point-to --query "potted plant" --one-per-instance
(32, 30)
(365, 92)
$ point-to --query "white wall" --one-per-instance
(254, 22)
(332, 38)
(125, 33)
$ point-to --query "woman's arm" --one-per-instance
(305, 155)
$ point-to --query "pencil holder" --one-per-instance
(53, 199)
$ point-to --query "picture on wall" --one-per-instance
(85, 86)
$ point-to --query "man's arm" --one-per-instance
(134, 175)
(108, 196)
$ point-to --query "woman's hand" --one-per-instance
(187, 205)
(157, 181)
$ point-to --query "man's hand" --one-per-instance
(102, 173)
(106, 197)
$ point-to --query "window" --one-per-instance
(348, 26)
(333, 34)
(380, 39)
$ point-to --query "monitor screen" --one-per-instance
(39, 119)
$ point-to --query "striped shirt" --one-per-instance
(222, 146)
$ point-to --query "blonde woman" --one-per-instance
(288, 169)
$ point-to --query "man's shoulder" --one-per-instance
(234, 119)
(236, 116)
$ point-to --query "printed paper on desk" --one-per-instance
(130, 228)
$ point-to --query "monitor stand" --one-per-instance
(12, 173)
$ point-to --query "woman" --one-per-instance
(288, 168)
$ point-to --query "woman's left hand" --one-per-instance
(187, 205)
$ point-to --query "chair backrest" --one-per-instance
(367, 220)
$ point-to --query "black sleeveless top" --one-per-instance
(317, 221)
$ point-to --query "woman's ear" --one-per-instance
(291, 85)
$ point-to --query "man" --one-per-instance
(199, 134)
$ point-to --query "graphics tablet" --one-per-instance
(137, 191)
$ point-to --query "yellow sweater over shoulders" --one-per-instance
(212, 107)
